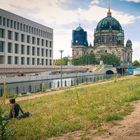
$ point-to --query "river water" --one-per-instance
(32, 86)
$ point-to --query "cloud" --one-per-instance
(136, 1)
(136, 50)
(95, 2)
(51, 13)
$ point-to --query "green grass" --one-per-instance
(55, 115)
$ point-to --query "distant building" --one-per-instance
(24, 42)
(108, 38)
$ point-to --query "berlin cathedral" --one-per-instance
(108, 38)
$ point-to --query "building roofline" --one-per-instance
(22, 17)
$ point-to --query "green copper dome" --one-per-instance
(109, 23)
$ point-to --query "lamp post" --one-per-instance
(123, 62)
(61, 51)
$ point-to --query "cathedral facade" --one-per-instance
(108, 38)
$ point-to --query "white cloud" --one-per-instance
(95, 2)
(136, 1)
(51, 13)
(136, 50)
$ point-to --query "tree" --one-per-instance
(65, 61)
(84, 60)
(136, 63)
(110, 59)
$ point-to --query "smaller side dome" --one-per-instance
(129, 43)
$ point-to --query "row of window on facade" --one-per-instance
(29, 39)
(23, 27)
(23, 60)
(30, 50)
(106, 39)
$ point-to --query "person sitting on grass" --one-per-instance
(14, 109)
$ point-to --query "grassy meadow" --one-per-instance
(89, 107)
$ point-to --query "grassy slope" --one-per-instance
(54, 115)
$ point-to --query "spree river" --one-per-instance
(32, 84)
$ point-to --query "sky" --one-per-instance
(65, 15)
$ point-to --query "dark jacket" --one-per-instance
(14, 110)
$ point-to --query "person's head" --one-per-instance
(12, 101)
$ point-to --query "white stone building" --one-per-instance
(108, 38)
(24, 42)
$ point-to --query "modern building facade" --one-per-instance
(108, 38)
(24, 42)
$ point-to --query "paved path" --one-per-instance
(127, 129)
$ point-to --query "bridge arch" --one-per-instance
(109, 72)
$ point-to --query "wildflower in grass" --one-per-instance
(4, 92)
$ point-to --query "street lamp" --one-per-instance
(61, 51)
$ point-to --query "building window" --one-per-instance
(50, 44)
(9, 59)
(22, 49)
(18, 25)
(15, 24)
(16, 36)
(0, 20)
(24, 27)
(33, 50)
(38, 51)
(32, 30)
(33, 61)
(16, 60)
(28, 50)
(28, 61)
(33, 40)
(46, 43)
(50, 53)
(50, 62)
(1, 46)
(4, 21)
(8, 22)
(22, 37)
(10, 35)
(16, 48)
(2, 59)
(42, 61)
(42, 51)
(38, 41)
(22, 60)
(9, 47)
(38, 61)
(11, 23)
(27, 28)
(42, 42)
(2, 33)
(46, 61)
(46, 52)
(28, 39)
